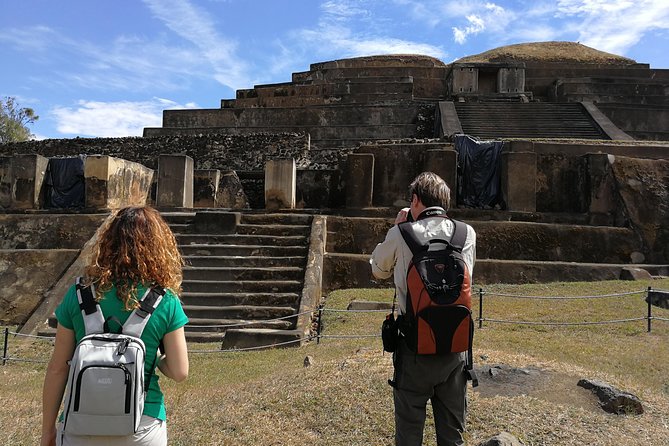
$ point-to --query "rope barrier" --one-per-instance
(615, 321)
(351, 336)
(258, 347)
(246, 323)
(9, 358)
(337, 310)
(50, 338)
(5, 357)
(517, 296)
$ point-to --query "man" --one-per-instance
(441, 378)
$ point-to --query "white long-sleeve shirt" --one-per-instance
(392, 256)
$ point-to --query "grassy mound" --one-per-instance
(565, 52)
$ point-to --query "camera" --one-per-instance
(389, 333)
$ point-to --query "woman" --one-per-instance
(135, 250)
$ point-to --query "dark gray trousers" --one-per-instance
(439, 378)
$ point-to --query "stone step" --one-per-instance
(274, 229)
(534, 133)
(557, 239)
(222, 325)
(276, 219)
(229, 299)
(485, 133)
(549, 74)
(354, 86)
(348, 84)
(244, 261)
(178, 228)
(236, 286)
(254, 338)
(334, 73)
(242, 250)
(621, 87)
(341, 130)
(196, 337)
(489, 271)
(307, 101)
(534, 107)
(241, 239)
(428, 81)
(534, 120)
(243, 273)
(378, 114)
(178, 218)
(554, 242)
(242, 312)
(619, 98)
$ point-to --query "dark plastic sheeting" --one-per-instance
(478, 172)
(65, 187)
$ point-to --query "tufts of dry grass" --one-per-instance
(270, 398)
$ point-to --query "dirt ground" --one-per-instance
(547, 385)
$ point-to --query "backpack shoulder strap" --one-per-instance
(410, 237)
(459, 234)
(94, 321)
(138, 319)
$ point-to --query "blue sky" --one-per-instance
(108, 68)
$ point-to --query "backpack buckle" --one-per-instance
(144, 309)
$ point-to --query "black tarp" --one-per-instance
(478, 172)
(65, 187)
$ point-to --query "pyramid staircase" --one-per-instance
(240, 290)
(502, 120)
(245, 288)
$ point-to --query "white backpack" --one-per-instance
(106, 386)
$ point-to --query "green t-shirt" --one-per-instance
(167, 317)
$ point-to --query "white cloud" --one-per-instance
(196, 26)
(37, 38)
(614, 25)
(348, 30)
(126, 64)
(476, 25)
(343, 9)
(134, 63)
(112, 119)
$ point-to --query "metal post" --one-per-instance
(650, 308)
(480, 307)
(320, 324)
(4, 349)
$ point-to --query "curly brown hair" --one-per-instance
(136, 247)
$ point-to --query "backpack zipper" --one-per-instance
(128, 379)
(128, 388)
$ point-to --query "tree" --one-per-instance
(14, 121)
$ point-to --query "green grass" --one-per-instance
(270, 398)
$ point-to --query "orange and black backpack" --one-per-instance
(438, 316)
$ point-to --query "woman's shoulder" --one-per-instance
(171, 298)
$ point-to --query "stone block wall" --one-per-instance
(47, 231)
(112, 183)
(643, 186)
(561, 184)
(225, 152)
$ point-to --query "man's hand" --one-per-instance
(402, 216)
